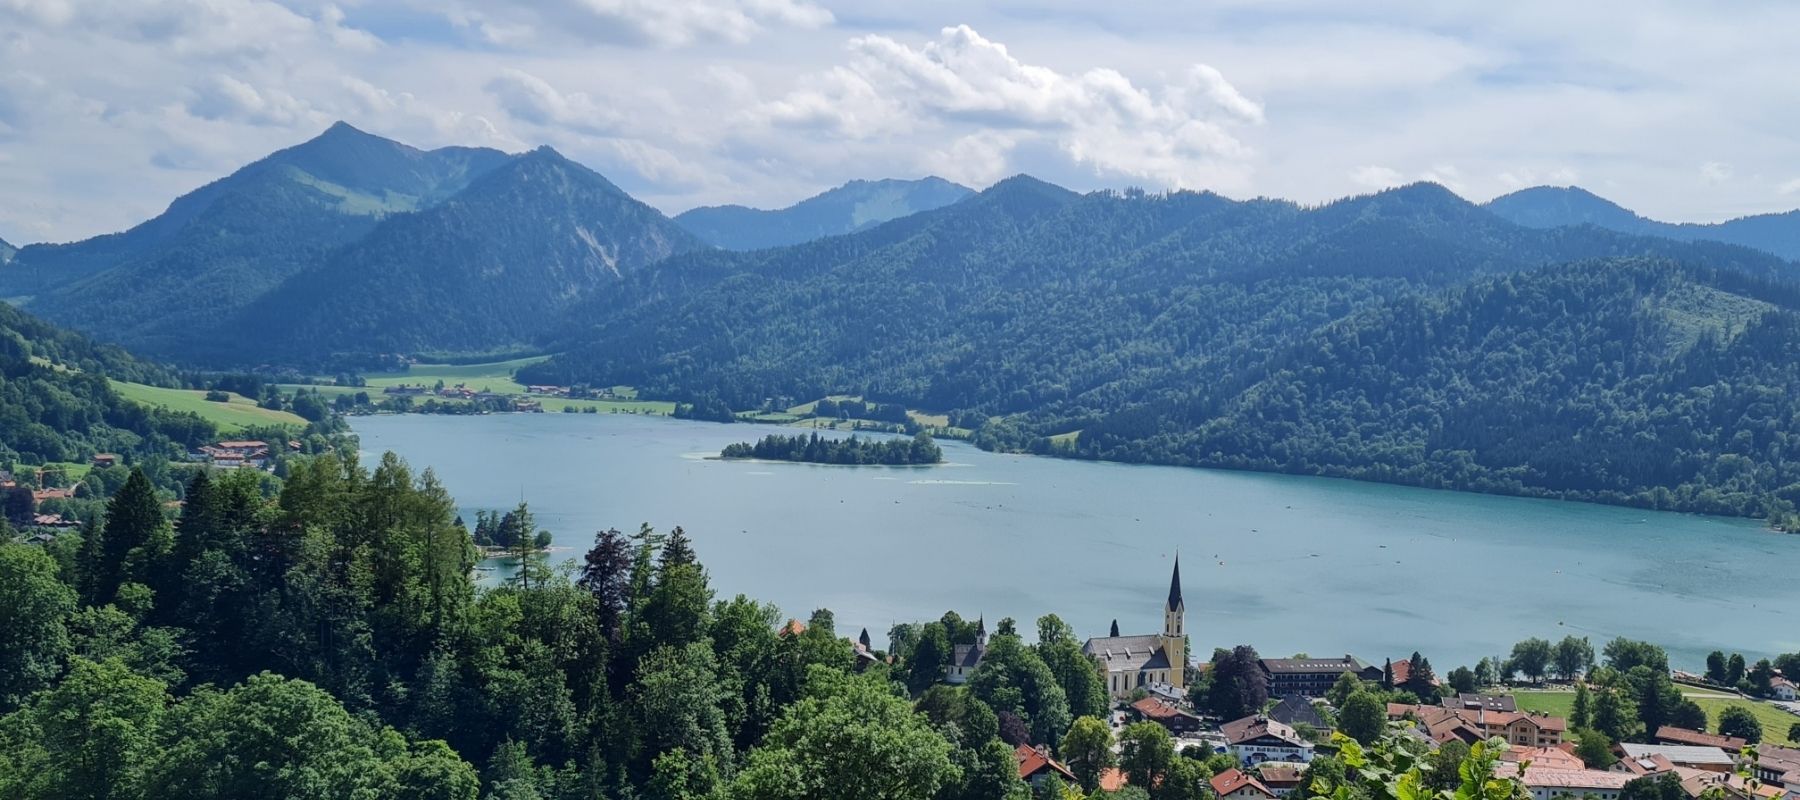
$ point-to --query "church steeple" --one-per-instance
(1175, 603)
(1174, 633)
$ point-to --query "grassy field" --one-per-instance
(495, 375)
(235, 415)
(1775, 722)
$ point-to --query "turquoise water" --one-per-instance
(1287, 564)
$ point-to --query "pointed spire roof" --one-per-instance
(1175, 584)
(981, 624)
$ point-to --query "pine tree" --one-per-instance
(132, 544)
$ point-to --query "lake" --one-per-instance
(1287, 564)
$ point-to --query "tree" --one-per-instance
(1741, 722)
(929, 656)
(1487, 672)
(1615, 714)
(1762, 678)
(1077, 674)
(1572, 658)
(1794, 733)
(1014, 678)
(275, 737)
(1052, 629)
(1622, 654)
(1239, 687)
(1594, 749)
(1420, 680)
(1462, 680)
(1087, 750)
(1582, 712)
(34, 639)
(1444, 766)
(606, 574)
(92, 735)
(1531, 658)
(1145, 752)
(1715, 668)
(1735, 669)
(1666, 786)
(1340, 691)
(846, 726)
(133, 540)
(1363, 717)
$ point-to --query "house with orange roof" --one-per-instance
(1235, 784)
(1036, 766)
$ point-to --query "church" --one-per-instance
(1130, 662)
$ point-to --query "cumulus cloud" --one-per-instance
(1715, 172)
(665, 23)
(1180, 134)
(534, 100)
(227, 98)
(1790, 187)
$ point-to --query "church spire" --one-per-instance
(1175, 584)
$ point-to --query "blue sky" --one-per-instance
(110, 108)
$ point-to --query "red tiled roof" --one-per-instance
(1158, 709)
(793, 627)
(1232, 780)
(1112, 779)
(1674, 735)
(1033, 761)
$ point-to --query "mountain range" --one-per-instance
(1545, 343)
(6, 251)
(190, 272)
(855, 206)
(1554, 206)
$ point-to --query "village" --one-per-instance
(41, 502)
(1270, 751)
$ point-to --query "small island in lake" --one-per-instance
(815, 449)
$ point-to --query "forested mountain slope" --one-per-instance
(1554, 206)
(6, 251)
(855, 206)
(488, 268)
(1156, 324)
(1626, 381)
(56, 404)
(219, 248)
(1030, 298)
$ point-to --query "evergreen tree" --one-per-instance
(1580, 715)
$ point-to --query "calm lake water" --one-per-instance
(1287, 564)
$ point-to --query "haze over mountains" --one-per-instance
(1556, 206)
(855, 206)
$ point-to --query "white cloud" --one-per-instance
(1790, 187)
(1715, 172)
(1372, 176)
(530, 98)
(227, 98)
(978, 159)
(1180, 134)
(665, 23)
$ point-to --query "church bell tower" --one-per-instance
(1174, 633)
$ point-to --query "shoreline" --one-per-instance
(1547, 495)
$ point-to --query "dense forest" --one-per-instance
(329, 643)
(816, 449)
(56, 403)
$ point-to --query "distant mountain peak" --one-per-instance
(853, 206)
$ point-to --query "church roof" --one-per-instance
(1175, 584)
(967, 656)
(1127, 653)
